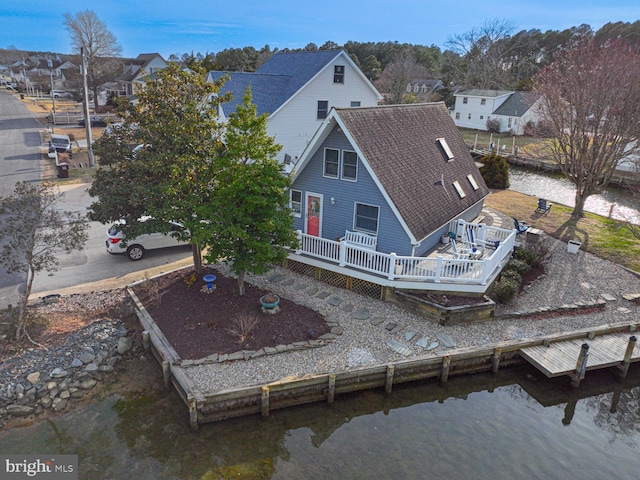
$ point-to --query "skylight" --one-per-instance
(445, 148)
(472, 181)
(459, 189)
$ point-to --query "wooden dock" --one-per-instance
(565, 357)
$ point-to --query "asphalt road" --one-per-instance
(87, 270)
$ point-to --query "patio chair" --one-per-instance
(459, 253)
(543, 206)
(475, 244)
(520, 227)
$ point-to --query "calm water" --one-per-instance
(615, 203)
(513, 425)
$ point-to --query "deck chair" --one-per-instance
(543, 206)
(520, 227)
(475, 244)
(459, 253)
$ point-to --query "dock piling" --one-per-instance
(623, 368)
(495, 360)
(265, 401)
(446, 361)
(389, 379)
(332, 388)
(581, 366)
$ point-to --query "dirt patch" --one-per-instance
(199, 324)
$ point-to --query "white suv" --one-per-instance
(136, 247)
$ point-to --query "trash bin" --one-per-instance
(573, 246)
(22, 96)
(63, 170)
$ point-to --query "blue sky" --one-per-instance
(163, 26)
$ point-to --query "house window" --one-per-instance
(366, 218)
(331, 162)
(409, 88)
(469, 116)
(416, 88)
(323, 109)
(483, 101)
(295, 202)
(465, 100)
(472, 181)
(509, 123)
(355, 104)
(457, 115)
(481, 117)
(338, 74)
(445, 148)
(349, 165)
(459, 189)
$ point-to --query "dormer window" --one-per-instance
(338, 74)
(445, 148)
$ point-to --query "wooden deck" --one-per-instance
(560, 358)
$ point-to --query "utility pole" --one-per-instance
(85, 105)
(53, 97)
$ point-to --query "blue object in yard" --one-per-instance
(209, 279)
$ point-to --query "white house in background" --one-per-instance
(513, 110)
(135, 71)
(297, 90)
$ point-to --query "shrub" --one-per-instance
(525, 254)
(493, 125)
(512, 275)
(495, 171)
(506, 289)
(242, 324)
(518, 266)
(541, 253)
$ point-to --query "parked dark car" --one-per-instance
(95, 121)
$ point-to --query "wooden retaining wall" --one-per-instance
(243, 400)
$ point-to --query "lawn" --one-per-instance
(602, 236)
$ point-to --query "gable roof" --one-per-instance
(478, 92)
(279, 78)
(398, 144)
(517, 104)
(133, 67)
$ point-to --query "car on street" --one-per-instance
(95, 121)
(60, 94)
(135, 248)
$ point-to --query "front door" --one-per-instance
(314, 214)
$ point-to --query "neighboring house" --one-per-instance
(297, 90)
(136, 70)
(513, 110)
(398, 177)
(424, 87)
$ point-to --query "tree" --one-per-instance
(33, 233)
(172, 176)
(394, 79)
(253, 222)
(483, 51)
(591, 101)
(97, 42)
(495, 171)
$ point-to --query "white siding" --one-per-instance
(295, 123)
(475, 109)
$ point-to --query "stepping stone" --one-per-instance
(631, 296)
(347, 308)
(361, 314)
(312, 291)
(288, 281)
(433, 345)
(322, 295)
(624, 310)
(398, 347)
(446, 340)
(376, 321)
(391, 326)
(423, 342)
(334, 300)
(277, 278)
(408, 336)
(301, 286)
(359, 356)
(585, 285)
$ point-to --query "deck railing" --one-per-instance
(438, 269)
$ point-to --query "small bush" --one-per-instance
(242, 326)
(493, 125)
(525, 254)
(506, 289)
(495, 171)
(518, 266)
(512, 275)
(542, 255)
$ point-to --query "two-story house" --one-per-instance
(512, 110)
(135, 71)
(297, 90)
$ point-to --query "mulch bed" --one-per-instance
(200, 324)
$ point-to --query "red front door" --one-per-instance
(314, 208)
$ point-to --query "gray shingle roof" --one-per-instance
(477, 92)
(277, 80)
(517, 104)
(399, 143)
